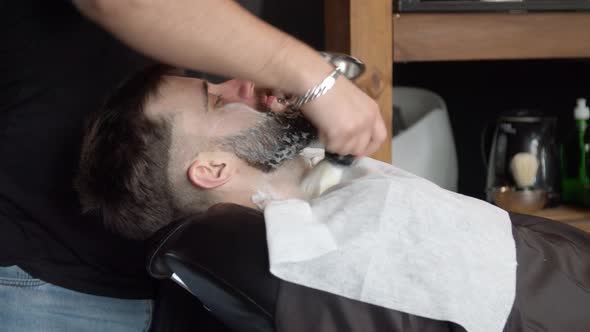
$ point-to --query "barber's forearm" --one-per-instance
(217, 36)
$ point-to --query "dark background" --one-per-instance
(476, 92)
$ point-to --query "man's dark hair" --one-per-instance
(124, 160)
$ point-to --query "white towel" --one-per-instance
(386, 237)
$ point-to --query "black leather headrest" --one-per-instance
(221, 257)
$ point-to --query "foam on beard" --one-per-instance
(275, 139)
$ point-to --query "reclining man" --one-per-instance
(165, 146)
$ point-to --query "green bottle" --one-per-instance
(573, 154)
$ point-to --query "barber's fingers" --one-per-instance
(358, 136)
(358, 147)
(355, 146)
(349, 121)
(368, 141)
(378, 135)
(341, 138)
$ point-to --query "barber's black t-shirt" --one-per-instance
(55, 68)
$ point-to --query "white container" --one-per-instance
(426, 147)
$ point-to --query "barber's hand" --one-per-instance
(349, 121)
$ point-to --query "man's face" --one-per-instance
(232, 116)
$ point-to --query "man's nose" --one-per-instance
(236, 90)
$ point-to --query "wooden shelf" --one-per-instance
(565, 213)
(574, 216)
(483, 36)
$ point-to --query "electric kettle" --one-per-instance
(523, 164)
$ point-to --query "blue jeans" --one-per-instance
(30, 305)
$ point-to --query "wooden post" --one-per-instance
(364, 29)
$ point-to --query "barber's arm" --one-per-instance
(220, 37)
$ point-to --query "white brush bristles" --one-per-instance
(524, 168)
(320, 178)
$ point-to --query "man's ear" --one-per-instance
(210, 171)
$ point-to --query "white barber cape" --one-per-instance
(389, 238)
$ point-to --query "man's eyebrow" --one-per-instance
(205, 90)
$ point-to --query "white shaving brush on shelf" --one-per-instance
(525, 198)
(524, 168)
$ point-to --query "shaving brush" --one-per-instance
(325, 174)
(525, 198)
(524, 168)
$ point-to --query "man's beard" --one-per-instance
(274, 140)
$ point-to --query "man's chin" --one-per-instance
(280, 137)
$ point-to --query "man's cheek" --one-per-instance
(235, 123)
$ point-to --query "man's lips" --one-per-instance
(269, 100)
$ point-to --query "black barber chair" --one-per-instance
(221, 257)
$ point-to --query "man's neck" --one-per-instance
(285, 181)
(256, 189)
(280, 184)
